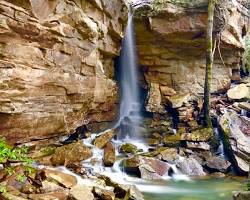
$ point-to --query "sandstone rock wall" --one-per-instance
(56, 65)
(171, 43)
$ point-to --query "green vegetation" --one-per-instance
(3, 189)
(21, 178)
(9, 153)
(246, 185)
(49, 150)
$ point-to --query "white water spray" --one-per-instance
(130, 104)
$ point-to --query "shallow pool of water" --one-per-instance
(212, 189)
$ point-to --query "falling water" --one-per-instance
(130, 106)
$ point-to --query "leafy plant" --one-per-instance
(21, 178)
(3, 189)
(8, 153)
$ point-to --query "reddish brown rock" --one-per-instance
(109, 155)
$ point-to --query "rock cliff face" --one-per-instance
(171, 42)
(56, 65)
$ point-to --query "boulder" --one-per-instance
(146, 168)
(216, 163)
(66, 180)
(243, 195)
(103, 194)
(245, 106)
(190, 166)
(70, 154)
(128, 148)
(199, 135)
(9, 196)
(80, 192)
(167, 91)
(101, 140)
(168, 154)
(238, 92)
(236, 139)
(109, 155)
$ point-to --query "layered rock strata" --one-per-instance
(56, 65)
(171, 43)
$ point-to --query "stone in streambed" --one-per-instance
(245, 106)
(72, 153)
(190, 166)
(168, 154)
(81, 192)
(217, 164)
(103, 194)
(101, 140)
(128, 148)
(243, 195)
(153, 142)
(109, 155)
(146, 168)
(9, 196)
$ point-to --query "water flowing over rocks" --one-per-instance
(57, 65)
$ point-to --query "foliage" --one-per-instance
(21, 178)
(3, 189)
(246, 57)
(246, 185)
(8, 152)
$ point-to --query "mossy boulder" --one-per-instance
(101, 140)
(128, 148)
(199, 135)
(172, 140)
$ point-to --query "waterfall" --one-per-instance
(129, 118)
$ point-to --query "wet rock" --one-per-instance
(190, 166)
(179, 100)
(109, 155)
(236, 139)
(242, 195)
(153, 142)
(172, 140)
(217, 164)
(101, 140)
(128, 148)
(103, 194)
(238, 92)
(200, 135)
(128, 192)
(70, 154)
(80, 192)
(147, 168)
(50, 196)
(168, 154)
(64, 179)
(198, 145)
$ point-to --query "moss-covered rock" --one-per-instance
(199, 135)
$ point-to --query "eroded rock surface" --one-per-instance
(56, 65)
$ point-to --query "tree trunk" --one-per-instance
(209, 63)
